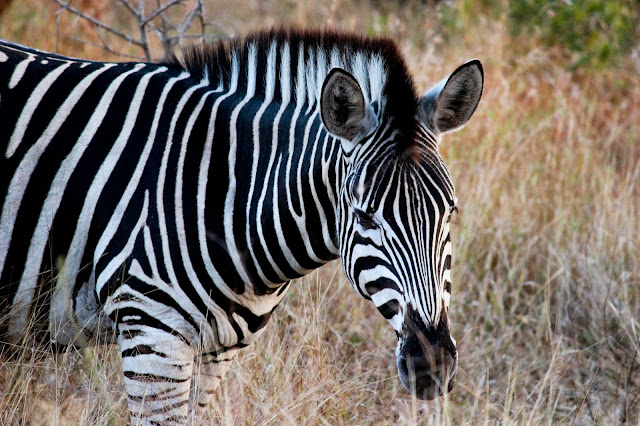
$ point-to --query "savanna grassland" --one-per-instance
(546, 273)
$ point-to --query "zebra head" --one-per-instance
(394, 212)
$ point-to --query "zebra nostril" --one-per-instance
(418, 369)
(419, 365)
(417, 377)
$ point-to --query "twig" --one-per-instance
(160, 11)
(99, 23)
(129, 6)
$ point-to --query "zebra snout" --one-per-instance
(428, 376)
(427, 362)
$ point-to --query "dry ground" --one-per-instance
(546, 275)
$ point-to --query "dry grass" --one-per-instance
(546, 291)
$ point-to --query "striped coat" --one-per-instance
(167, 206)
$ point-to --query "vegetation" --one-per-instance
(592, 33)
(546, 273)
(594, 30)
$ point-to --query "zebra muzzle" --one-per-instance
(427, 361)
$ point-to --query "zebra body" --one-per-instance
(169, 205)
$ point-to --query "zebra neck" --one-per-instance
(281, 170)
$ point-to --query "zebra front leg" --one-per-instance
(158, 366)
(207, 374)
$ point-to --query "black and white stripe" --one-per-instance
(172, 203)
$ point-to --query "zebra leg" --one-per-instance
(158, 366)
(208, 373)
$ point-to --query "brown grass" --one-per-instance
(546, 291)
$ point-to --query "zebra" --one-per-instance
(167, 206)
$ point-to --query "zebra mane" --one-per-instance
(303, 58)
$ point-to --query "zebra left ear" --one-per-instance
(343, 108)
(451, 103)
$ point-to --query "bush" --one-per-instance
(596, 31)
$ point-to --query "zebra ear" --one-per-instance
(451, 103)
(343, 108)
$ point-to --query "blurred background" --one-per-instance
(546, 271)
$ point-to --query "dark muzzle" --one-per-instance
(427, 359)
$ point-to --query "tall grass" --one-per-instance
(546, 288)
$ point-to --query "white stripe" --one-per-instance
(377, 80)
(359, 71)
(151, 254)
(385, 295)
(311, 83)
(229, 203)
(20, 69)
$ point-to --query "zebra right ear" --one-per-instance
(343, 108)
(449, 104)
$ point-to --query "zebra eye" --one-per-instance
(453, 214)
(365, 219)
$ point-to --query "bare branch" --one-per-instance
(160, 10)
(140, 8)
(162, 33)
(105, 46)
(99, 24)
(129, 7)
(169, 32)
(203, 24)
(197, 10)
(167, 42)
